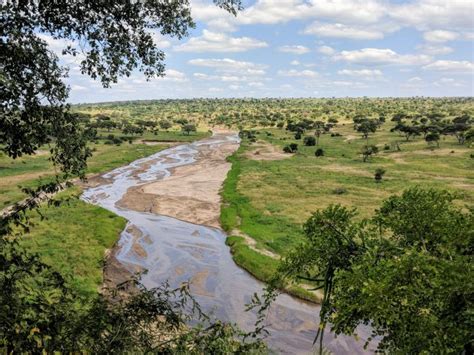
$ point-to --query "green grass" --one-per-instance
(261, 266)
(270, 200)
(73, 238)
(30, 171)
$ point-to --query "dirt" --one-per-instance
(266, 151)
(152, 142)
(191, 193)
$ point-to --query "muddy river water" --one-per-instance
(178, 251)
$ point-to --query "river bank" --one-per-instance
(177, 251)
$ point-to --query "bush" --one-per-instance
(335, 134)
(319, 152)
(292, 148)
(297, 135)
(309, 141)
(379, 173)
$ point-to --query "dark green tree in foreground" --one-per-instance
(39, 312)
(407, 273)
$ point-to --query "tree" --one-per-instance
(407, 130)
(165, 124)
(365, 126)
(188, 128)
(368, 151)
(407, 272)
(432, 137)
(309, 141)
(38, 311)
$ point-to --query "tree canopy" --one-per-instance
(407, 272)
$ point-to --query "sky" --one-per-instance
(308, 48)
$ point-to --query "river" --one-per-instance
(177, 251)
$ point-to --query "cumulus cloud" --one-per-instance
(376, 56)
(434, 49)
(432, 14)
(298, 73)
(339, 30)
(362, 73)
(440, 36)
(294, 49)
(451, 66)
(227, 65)
(219, 42)
(326, 50)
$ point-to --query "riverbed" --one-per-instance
(169, 199)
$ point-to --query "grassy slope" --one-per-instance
(27, 171)
(73, 238)
(269, 200)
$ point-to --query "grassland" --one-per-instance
(73, 239)
(270, 200)
(29, 171)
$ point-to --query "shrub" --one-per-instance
(292, 148)
(379, 173)
(309, 141)
(297, 135)
(319, 152)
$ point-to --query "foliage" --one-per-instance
(368, 151)
(291, 148)
(309, 141)
(41, 314)
(379, 173)
(407, 272)
(188, 128)
(319, 152)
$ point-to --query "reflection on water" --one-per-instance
(178, 251)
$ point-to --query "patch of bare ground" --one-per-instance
(350, 137)
(157, 142)
(252, 244)
(266, 151)
(191, 193)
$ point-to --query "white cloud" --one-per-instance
(326, 50)
(449, 82)
(227, 65)
(256, 84)
(160, 40)
(174, 75)
(451, 66)
(298, 73)
(434, 49)
(295, 62)
(294, 49)
(376, 56)
(433, 14)
(440, 36)
(362, 73)
(339, 30)
(219, 42)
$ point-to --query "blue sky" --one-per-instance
(319, 48)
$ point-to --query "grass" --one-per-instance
(29, 171)
(270, 200)
(73, 239)
(261, 266)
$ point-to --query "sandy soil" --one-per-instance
(265, 151)
(191, 193)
